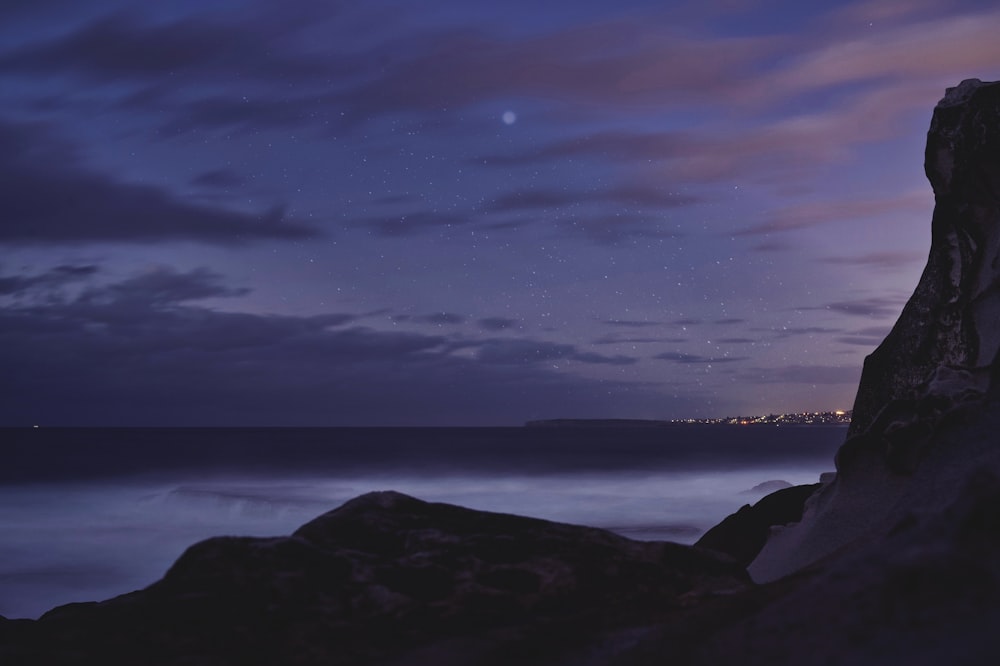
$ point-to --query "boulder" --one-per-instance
(387, 578)
(741, 535)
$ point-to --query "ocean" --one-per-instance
(87, 514)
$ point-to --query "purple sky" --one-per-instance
(452, 212)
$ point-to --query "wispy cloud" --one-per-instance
(49, 196)
(801, 216)
(679, 357)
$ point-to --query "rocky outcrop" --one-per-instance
(741, 535)
(948, 332)
(387, 578)
(936, 368)
(924, 589)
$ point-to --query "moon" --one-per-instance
(509, 117)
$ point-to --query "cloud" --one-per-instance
(55, 277)
(121, 47)
(805, 374)
(412, 223)
(616, 227)
(812, 214)
(637, 65)
(875, 306)
(218, 179)
(505, 352)
(620, 340)
(143, 352)
(792, 331)
(679, 357)
(640, 197)
(627, 323)
(608, 145)
(869, 337)
(162, 287)
(887, 53)
(496, 323)
(869, 342)
(48, 196)
(442, 319)
(879, 260)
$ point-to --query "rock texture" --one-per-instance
(948, 332)
(937, 365)
(387, 579)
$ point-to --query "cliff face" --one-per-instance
(952, 318)
(936, 368)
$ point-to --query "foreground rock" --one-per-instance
(743, 534)
(387, 578)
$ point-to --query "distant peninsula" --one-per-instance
(839, 417)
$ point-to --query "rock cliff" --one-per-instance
(948, 333)
(937, 366)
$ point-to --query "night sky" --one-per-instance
(453, 212)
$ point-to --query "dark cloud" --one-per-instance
(55, 277)
(876, 306)
(218, 178)
(138, 352)
(606, 146)
(619, 340)
(533, 351)
(123, 47)
(616, 227)
(442, 319)
(886, 260)
(48, 196)
(237, 113)
(626, 323)
(812, 214)
(869, 337)
(806, 374)
(680, 357)
(640, 197)
(163, 287)
(635, 66)
(860, 341)
(729, 321)
(735, 341)
(496, 323)
(773, 246)
(793, 331)
(412, 223)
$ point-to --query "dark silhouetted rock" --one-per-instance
(925, 591)
(385, 577)
(935, 369)
(948, 331)
(741, 535)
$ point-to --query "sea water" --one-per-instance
(87, 514)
